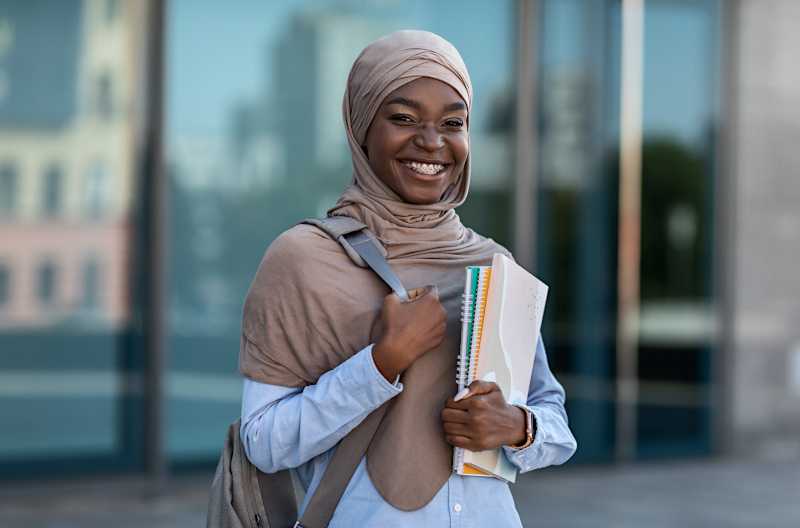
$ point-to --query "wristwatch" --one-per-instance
(530, 428)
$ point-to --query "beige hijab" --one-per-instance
(310, 308)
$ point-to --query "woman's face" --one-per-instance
(418, 143)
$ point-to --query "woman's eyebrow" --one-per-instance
(404, 101)
(458, 105)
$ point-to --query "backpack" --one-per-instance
(241, 495)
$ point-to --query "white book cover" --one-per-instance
(514, 306)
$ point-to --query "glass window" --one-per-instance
(8, 188)
(576, 209)
(5, 285)
(52, 190)
(68, 401)
(104, 102)
(260, 145)
(577, 202)
(46, 282)
(91, 284)
(681, 60)
(97, 189)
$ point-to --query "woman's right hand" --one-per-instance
(410, 329)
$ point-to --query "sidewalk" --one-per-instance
(695, 494)
(687, 494)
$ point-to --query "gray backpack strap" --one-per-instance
(361, 246)
(337, 227)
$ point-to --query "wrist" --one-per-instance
(386, 361)
(519, 433)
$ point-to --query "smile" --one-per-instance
(426, 169)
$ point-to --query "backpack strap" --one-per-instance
(361, 246)
(342, 465)
(337, 227)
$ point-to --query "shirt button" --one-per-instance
(457, 508)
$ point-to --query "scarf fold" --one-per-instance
(310, 308)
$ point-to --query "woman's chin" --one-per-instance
(421, 199)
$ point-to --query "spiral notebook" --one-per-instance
(501, 317)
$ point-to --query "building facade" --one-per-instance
(671, 328)
(66, 164)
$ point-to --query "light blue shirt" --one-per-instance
(298, 428)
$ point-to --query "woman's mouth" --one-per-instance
(425, 169)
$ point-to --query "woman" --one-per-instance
(323, 345)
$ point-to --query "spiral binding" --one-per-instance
(472, 314)
(466, 316)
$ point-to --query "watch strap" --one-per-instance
(530, 432)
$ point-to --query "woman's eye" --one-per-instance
(454, 123)
(402, 118)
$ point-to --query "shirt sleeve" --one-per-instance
(284, 427)
(553, 442)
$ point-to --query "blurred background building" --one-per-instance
(637, 155)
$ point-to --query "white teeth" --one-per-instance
(428, 169)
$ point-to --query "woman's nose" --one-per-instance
(429, 138)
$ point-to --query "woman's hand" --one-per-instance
(483, 420)
(410, 329)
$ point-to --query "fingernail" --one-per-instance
(463, 393)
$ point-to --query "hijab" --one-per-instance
(310, 308)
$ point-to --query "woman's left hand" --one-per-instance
(483, 420)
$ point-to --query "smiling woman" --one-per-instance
(418, 142)
(323, 345)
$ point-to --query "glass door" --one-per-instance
(677, 318)
(578, 220)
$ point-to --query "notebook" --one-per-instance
(501, 317)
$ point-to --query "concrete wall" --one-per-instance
(763, 171)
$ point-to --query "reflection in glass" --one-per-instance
(259, 145)
(46, 283)
(61, 390)
(576, 239)
(5, 285)
(103, 96)
(91, 285)
(52, 192)
(97, 182)
(577, 223)
(681, 60)
(8, 188)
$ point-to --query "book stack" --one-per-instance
(501, 317)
